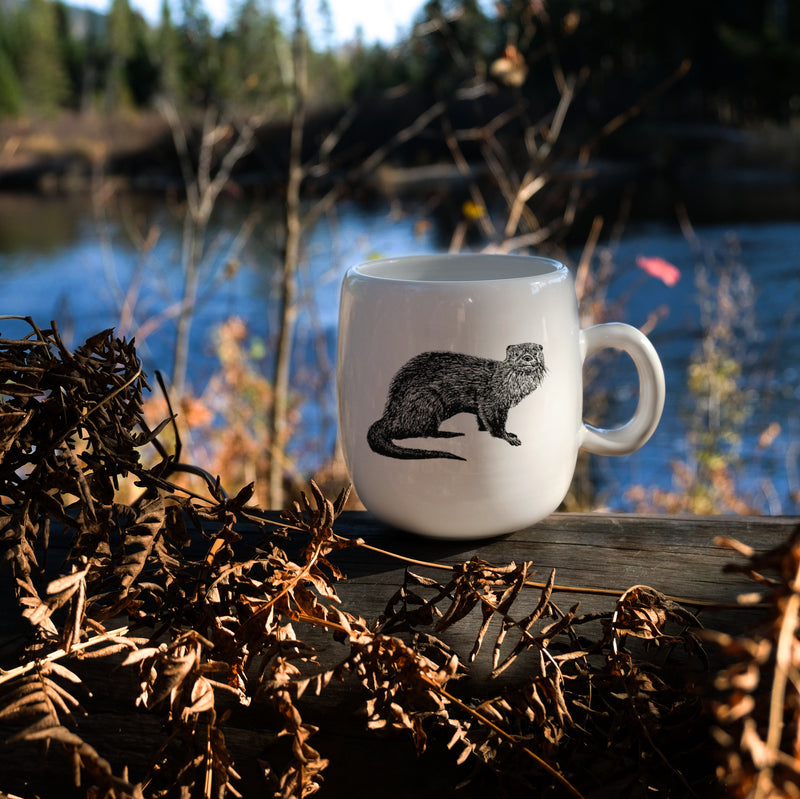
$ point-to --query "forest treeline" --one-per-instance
(744, 55)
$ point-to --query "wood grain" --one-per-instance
(677, 556)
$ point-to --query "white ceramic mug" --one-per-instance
(460, 390)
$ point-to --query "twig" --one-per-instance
(505, 735)
(573, 589)
(777, 700)
(57, 654)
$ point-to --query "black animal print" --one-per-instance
(435, 386)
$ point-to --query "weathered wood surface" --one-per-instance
(674, 555)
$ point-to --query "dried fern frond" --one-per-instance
(757, 707)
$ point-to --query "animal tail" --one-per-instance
(379, 439)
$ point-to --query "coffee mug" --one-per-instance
(460, 390)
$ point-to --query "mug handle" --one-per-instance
(636, 431)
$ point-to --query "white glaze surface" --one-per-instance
(395, 309)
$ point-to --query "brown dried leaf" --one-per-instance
(201, 698)
(140, 538)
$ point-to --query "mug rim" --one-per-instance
(463, 268)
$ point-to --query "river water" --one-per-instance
(78, 264)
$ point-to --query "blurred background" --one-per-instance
(199, 176)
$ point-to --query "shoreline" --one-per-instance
(716, 172)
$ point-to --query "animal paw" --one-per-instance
(512, 439)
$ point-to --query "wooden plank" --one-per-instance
(674, 555)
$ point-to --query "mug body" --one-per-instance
(460, 390)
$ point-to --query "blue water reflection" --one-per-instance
(76, 264)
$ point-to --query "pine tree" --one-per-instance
(10, 92)
(251, 68)
(143, 68)
(43, 75)
(168, 57)
(120, 50)
(198, 49)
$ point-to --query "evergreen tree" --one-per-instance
(69, 51)
(251, 74)
(168, 56)
(43, 75)
(10, 92)
(85, 54)
(457, 40)
(120, 51)
(142, 70)
(200, 66)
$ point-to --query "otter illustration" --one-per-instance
(435, 386)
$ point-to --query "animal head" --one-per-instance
(527, 358)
